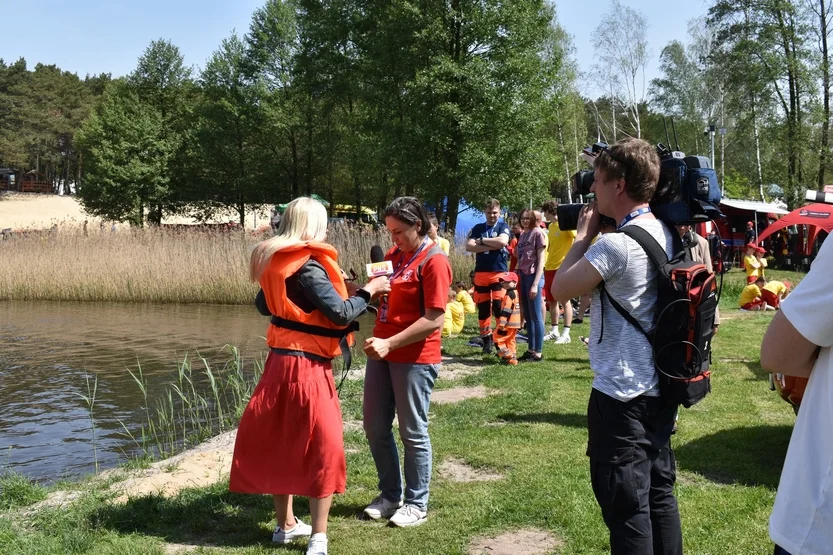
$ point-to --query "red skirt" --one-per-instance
(290, 440)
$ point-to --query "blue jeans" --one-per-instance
(532, 312)
(405, 390)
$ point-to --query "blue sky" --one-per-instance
(101, 36)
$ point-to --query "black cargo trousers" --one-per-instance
(632, 470)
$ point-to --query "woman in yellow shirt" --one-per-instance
(751, 263)
(759, 256)
(455, 318)
(433, 234)
(464, 297)
(774, 292)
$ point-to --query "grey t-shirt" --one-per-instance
(622, 363)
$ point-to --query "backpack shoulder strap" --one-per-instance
(625, 314)
(650, 245)
(657, 255)
(432, 252)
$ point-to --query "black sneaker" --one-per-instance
(475, 342)
(524, 357)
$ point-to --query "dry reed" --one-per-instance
(157, 265)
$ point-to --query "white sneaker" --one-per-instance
(317, 545)
(300, 530)
(382, 508)
(563, 339)
(409, 515)
(552, 335)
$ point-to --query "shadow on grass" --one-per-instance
(208, 517)
(212, 517)
(348, 511)
(750, 456)
(756, 368)
(571, 420)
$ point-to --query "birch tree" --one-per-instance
(622, 53)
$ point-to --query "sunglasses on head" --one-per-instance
(600, 147)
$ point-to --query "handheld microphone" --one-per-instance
(378, 265)
(377, 254)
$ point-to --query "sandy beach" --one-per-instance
(39, 211)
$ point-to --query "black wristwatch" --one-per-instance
(481, 240)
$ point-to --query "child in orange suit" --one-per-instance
(509, 321)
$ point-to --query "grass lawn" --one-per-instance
(531, 429)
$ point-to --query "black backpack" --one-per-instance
(684, 325)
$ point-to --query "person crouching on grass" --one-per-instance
(455, 317)
(290, 439)
(464, 297)
(750, 297)
(509, 320)
(774, 292)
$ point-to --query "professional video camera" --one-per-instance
(687, 190)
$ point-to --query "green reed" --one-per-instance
(89, 399)
(198, 404)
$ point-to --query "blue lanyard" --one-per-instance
(635, 214)
(397, 271)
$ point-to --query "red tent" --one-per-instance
(816, 216)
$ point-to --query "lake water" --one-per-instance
(47, 349)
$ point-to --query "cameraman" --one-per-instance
(628, 423)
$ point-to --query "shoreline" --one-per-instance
(202, 465)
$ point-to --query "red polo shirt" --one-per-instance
(403, 303)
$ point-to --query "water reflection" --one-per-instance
(47, 348)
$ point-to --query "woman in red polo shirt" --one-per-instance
(404, 358)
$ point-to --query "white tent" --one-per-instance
(755, 206)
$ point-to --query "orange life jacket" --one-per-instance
(287, 315)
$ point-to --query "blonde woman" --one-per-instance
(290, 441)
